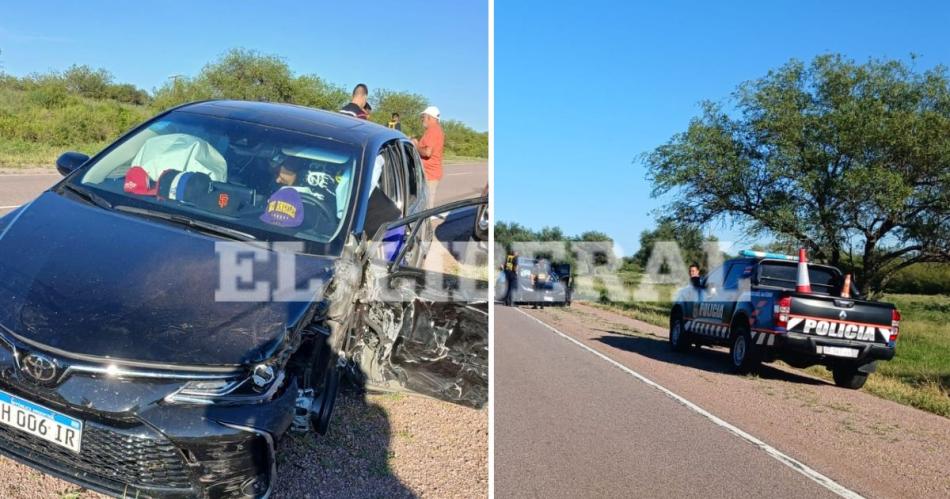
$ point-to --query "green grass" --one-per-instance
(452, 158)
(18, 154)
(918, 376)
(656, 313)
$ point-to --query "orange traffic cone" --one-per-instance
(803, 285)
(846, 289)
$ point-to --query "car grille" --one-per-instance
(135, 458)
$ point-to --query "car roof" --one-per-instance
(294, 117)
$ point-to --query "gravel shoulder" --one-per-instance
(873, 446)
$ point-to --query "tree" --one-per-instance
(248, 75)
(463, 141)
(835, 155)
(88, 82)
(688, 238)
(128, 93)
(408, 105)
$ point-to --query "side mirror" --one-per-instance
(69, 161)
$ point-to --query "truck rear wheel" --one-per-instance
(849, 377)
(679, 338)
(743, 353)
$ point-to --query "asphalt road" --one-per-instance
(568, 424)
(593, 410)
(460, 181)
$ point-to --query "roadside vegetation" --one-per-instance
(83, 109)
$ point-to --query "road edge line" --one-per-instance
(776, 454)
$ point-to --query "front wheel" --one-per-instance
(743, 353)
(679, 338)
(849, 377)
(322, 407)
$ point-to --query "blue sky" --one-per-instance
(437, 49)
(582, 89)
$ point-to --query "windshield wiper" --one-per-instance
(89, 196)
(218, 230)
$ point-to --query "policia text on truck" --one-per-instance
(765, 306)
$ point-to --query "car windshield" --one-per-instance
(823, 280)
(270, 183)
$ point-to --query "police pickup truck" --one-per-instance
(767, 306)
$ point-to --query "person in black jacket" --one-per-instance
(357, 106)
(511, 276)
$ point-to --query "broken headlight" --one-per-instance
(257, 386)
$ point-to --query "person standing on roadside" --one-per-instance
(511, 276)
(394, 122)
(694, 275)
(430, 147)
(358, 107)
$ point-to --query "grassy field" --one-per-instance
(16, 154)
(918, 376)
(38, 125)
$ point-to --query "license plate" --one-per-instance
(548, 298)
(39, 421)
(839, 351)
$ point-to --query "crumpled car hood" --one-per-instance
(83, 280)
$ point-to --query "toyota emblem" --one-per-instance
(39, 368)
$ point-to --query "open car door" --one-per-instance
(424, 328)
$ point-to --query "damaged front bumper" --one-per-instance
(225, 452)
(135, 443)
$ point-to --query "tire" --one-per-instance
(679, 338)
(744, 356)
(322, 408)
(849, 377)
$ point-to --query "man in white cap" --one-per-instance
(430, 148)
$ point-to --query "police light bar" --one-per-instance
(766, 254)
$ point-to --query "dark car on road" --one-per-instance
(755, 306)
(183, 298)
(540, 283)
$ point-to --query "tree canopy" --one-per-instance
(689, 239)
(844, 158)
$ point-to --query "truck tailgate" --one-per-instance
(842, 318)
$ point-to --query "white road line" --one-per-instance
(9, 207)
(783, 458)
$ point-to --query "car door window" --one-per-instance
(714, 283)
(736, 272)
(413, 171)
(392, 181)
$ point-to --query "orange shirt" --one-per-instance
(435, 139)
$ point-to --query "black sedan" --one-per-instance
(180, 300)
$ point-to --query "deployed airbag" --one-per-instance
(181, 152)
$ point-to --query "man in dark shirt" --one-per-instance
(694, 275)
(357, 107)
